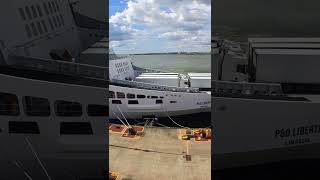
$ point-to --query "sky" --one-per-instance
(153, 26)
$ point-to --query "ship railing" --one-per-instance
(61, 67)
(142, 85)
(246, 88)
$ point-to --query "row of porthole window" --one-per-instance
(36, 106)
(122, 95)
(158, 101)
(40, 27)
(35, 11)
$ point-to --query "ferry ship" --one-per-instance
(138, 94)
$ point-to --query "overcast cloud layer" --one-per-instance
(145, 26)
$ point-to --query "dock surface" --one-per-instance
(159, 154)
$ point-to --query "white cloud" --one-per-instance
(188, 21)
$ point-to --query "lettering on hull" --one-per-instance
(203, 103)
(297, 135)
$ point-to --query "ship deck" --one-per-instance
(159, 154)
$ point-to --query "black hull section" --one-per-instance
(198, 120)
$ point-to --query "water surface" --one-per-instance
(180, 63)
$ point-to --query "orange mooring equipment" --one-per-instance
(202, 134)
(113, 175)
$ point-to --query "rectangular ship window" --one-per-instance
(159, 101)
(23, 127)
(141, 96)
(35, 106)
(50, 7)
(112, 94)
(39, 10)
(28, 12)
(121, 95)
(45, 8)
(69, 109)
(75, 128)
(97, 110)
(9, 105)
(116, 102)
(39, 27)
(53, 6)
(22, 15)
(131, 96)
(34, 12)
(133, 102)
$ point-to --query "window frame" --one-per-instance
(16, 104)
(116, 100)
(39, 10)
(111, 95)
(133, 102)
(63, 114)
(34, 12)
(140, 96)
(131, 96)
(28, 12)
(22, 14)
(159, 101)
(31, 112)
(121, 97)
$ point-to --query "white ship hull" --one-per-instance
(58, 152)
(256, 131)
(173, 103)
